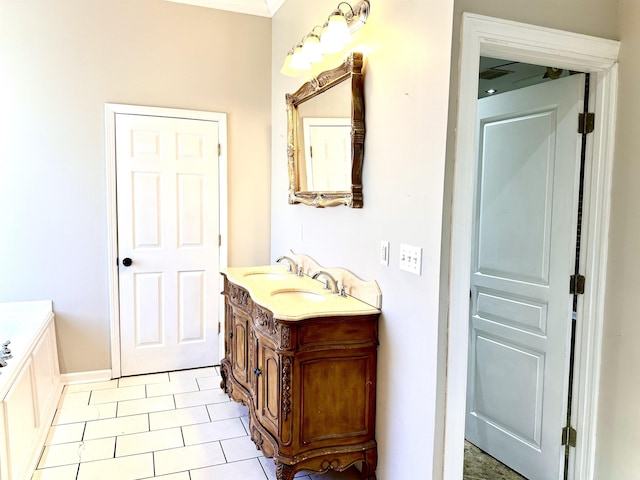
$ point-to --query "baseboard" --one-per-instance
(86, 377)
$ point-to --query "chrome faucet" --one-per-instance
(292, 265)
(329, 280)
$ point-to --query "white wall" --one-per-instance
(618, 418)
(406, 95)
(60, 62)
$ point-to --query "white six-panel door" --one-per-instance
(168, 227)
(523, 254)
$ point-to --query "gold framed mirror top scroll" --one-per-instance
(325, 137)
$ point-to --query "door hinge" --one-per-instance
(586, 122)
(569, 436)
(219, 150)
(219, 328)
(576, 284)
(219, 240)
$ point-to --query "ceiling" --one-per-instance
(263, 8)
(504, 75)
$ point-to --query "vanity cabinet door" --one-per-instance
(239, 342)
(267, 385)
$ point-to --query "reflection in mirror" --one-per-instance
(327, 154)
(326, 137)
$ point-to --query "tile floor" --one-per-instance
(171, 426)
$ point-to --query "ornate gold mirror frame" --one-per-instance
(350, 70)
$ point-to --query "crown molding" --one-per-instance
(263, 8)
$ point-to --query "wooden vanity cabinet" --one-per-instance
(311, 387)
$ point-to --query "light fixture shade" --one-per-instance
(299, 61)
(335, 34)
(311, 48)
(286, 67)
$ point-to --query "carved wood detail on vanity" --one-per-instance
(309, 383)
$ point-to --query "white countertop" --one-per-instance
(290, 297)
(22, 323)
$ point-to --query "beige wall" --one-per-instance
(60, 62)
(618, 417)
(406, 94)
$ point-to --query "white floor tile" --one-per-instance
(143, 379)
(226, 410)
(169, 388)
(193, 373)
(84, 414)
(244, 470)
(209, 383)
(213, 431)
(71, 432)
(146, 405)
(116, 426)
(123, 468)
(149, 441)
(241, 448)
(87, 387)
(74, 399)
(204, 397)
(188, 458)
(270, 469)
(178, 418)
(77, 452)
(175, 476)
(117, 394)
(157, 415)
(67, 472)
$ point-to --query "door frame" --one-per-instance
(110, 112)
(487, 36)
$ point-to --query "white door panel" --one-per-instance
(168, 224)
(523, 255)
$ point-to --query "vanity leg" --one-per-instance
(284, 471)
(223, 381)
(369, 465)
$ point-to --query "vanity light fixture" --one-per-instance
(329, 38)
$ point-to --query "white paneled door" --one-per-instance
(523, 255)
(168, 242)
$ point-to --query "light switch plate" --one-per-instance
(411, 258)
(384, 253)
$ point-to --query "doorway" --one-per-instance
(485, 36)
(167, 177)
(523, 254)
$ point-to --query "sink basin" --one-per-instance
(297, 295)
(266, 275)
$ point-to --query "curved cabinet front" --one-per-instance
(310, 389)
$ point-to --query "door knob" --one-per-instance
(127, 262)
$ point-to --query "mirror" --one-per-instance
(325, 137)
